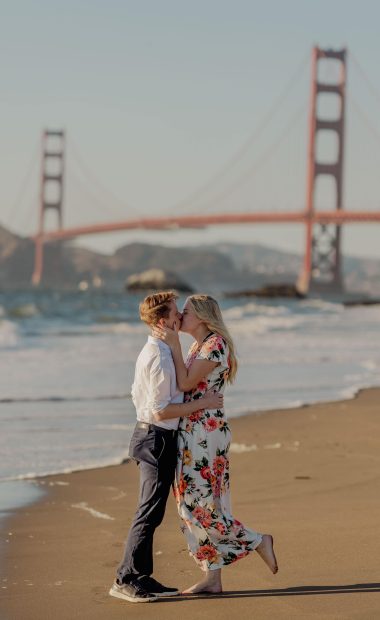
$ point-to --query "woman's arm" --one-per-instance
(211, 400)
(187, 378)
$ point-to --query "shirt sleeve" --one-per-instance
(133, 394)
(160, 384)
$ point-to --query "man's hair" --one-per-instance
(156, 307)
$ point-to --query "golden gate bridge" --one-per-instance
(322, 262)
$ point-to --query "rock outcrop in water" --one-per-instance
(157, 279)
(362, 302)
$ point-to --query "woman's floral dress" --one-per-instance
(201, 486)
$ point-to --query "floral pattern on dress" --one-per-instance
(202, 483)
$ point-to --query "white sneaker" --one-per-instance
(132, 592)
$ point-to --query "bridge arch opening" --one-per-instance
(325, 193)
(329, 106)
(327, 147)
(329, 70)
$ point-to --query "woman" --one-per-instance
(215, 539)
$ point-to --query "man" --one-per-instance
(159, 405)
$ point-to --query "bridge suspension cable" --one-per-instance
(259, 163)
(29, 221)
(245, 147)
(375, 132)
(94, 181)
(364, 75)
(13, 211)
(90, 197)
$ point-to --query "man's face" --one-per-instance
(174, 315)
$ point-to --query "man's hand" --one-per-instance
(211, 400)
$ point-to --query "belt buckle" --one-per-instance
(144, 425)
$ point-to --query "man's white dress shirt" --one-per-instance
(155, 383)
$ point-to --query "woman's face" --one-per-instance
(190, 321)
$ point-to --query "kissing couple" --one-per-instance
(182, 439)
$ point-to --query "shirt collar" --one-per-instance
(162, 345)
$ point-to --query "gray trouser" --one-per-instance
(155, 450)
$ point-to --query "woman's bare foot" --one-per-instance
(266, 552)
(211, 584)
(203, 586)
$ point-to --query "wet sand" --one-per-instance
(309, 476)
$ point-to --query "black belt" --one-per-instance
(146, 426)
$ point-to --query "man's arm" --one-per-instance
(161, 396)
(211, 400)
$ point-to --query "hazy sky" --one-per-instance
(158, 96)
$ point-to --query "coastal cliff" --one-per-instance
(222, 267)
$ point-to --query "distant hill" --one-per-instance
(228, 267)
(260, 259)
(65, 266)
(360, 274)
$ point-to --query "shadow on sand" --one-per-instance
(354, 588)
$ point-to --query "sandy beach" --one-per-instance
(309, 476)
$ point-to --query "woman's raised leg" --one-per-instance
(266, 552)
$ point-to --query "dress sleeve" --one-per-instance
(214, 349)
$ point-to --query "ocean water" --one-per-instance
(67, 362)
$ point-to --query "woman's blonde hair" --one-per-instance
(207, 310)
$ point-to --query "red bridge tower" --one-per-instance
(51, 191)
(322, 269)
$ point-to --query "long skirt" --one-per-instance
(202, 490)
